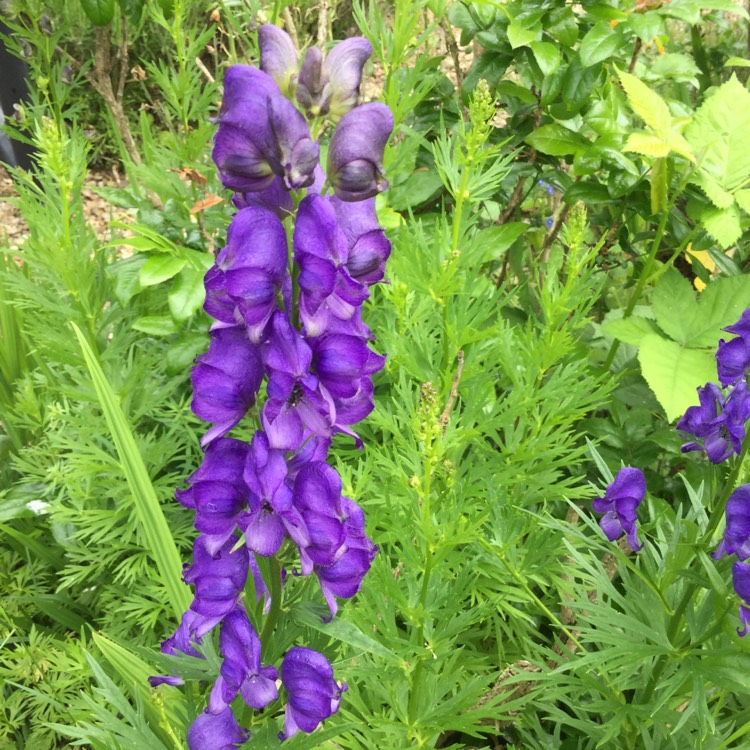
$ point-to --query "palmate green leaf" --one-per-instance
(153, 524)
(723, 224)
(630, 330)
(674, 372)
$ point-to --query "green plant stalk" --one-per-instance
(717, 514)
(274, 588)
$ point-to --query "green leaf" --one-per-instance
(312, 615)
(132, 10)
(743, 200)
(547, 56)
(646, 26)
(737, 62)
(153, 524)
(600, 43)
(557, 140)
(729, 668)
(518, 36)
(647, 145)
(126, 274)
(159, 268)
(186, 295)
(723, 224)
(156, 325)
(674, 373)
(99, 12)
(630, 330)
(648, 105)
(674, 66)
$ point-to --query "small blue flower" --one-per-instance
(619, 505)
(546, 186)
(549, 222)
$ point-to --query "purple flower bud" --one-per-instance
(167, 679)
(619, 505)
(226, 380)
(278, 57)
(741, 581)
(261, 134)
(241, 671)
(736, 539)
(310, 84)
(355, 154)
(313, 694)
(733, 357)
(218, 731)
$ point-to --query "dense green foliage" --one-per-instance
(539, 335)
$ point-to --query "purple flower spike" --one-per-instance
(733, 357)
(355, 154)
(736, 539)
(278, 57)
(741, 581)
(218, 731)
(619, 505)
(313, 694)
(719, 422)
(225, 381)
(241, 671)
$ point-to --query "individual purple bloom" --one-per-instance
(367, 244)
(718, 422)
(226, 380)
(219, 581)
(741, 581)
(313, 694)
(342, 361)
(217, 491)
(250, 271)
(355, 154)
(183, 639)
(241, 670)
(619, 505)
(274, 198)
(343, 578)
(261, 134)
(733, 357)
(331, 85)
(167, 679)
(317, 498)
(216, 731)
(736, 539)
(548, 222)
(278, 57)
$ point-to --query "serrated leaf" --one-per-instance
(648, 105)
(153, 524)
(647, 145)
(716, 194)
(630, 330)
(547, 56)
(557, 140)
(99, 12)
(674, 372)
(674, 304)
(600, 43)
(737, 62)
(743, 200)
(723, 224)
(159, 268)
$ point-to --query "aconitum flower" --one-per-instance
(718, 421)
(312, 693)
(355, 154)
(278, 57)
(741, 581)
(733, 357)
(241, 671)
(226, 380)
(219, 731)
(736, 539)
(619, 505)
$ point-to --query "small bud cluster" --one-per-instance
(295, 324)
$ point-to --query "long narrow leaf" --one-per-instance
(149, 512)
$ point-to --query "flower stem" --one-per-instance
(274, 587)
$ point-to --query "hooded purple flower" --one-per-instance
(274, 198)
(331, 85)
(250, 271)
(217, 492)
(226, 380)
(736, 539)
(241, 671)
(741, 581)
(719, 422)
(313, 694)
(733, 357)
(355, 154)
(216, 731)
(278, 57)
(343, 578)
(219, 581)
(619, 505)
(261, 134)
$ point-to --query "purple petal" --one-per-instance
(629, 482)
(343, 67)
(216, 732)
(278, 56)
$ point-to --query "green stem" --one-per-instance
(275, 592)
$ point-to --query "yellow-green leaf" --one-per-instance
(648, 145)
(648, 105)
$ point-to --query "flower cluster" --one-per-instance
(718, 422)
(291, 321)
(619, 505)
(736, 542)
